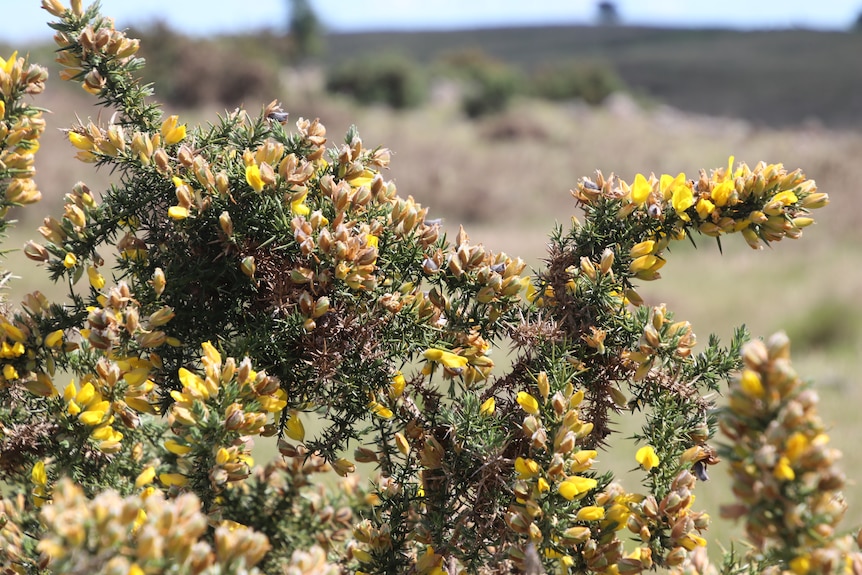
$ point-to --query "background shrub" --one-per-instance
(387, 79)
(488, 84)
(192, 72)
(591, 82)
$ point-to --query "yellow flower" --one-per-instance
(488, 406)
(682, 200)
(38, 474)
(590, 513)
(576, 486)
(668, 184)
(295, 429)
(785, 198)
(447, 358)
(362, 179)
(722, 192)
(800, 565)
(577, 398)
(171, 133)
(380, 410)
(9, 372)
(86, 394)
(647, 457)
(299, 207)
(70, 260)
(81, 142)
(751, 384)
(583, 460)
(176, 447)
(795, 445)
(528, 403)
(145, 477)
(641, 189)
(616, 516)
(526, 468)
(252, 176)
(643, 263)
(178, 213)
(194, 384)
(402, 443)
(690, 541)
(173, 479)
(94, 415)
(542, 485)
(97, 280)
(273, 403)
(642, 249)
(397, 387)
(728, 173)
(704, 207)
(783, 471)
(7, 65)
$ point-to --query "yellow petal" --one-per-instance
(526, 468)
(173, 479)
(590, 513)
(176, 447)
(641, 189)
(295, 429)
(211, 353)
(488, 406)
(145, 477)
(178, 213)
(647, 457)
(38, 474)
(398, 384)
(576, 486)
(751, 384)
(528, 403)
(252, 176)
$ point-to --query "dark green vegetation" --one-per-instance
(771, 78)
(780, 77)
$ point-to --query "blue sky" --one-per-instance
(201, 17)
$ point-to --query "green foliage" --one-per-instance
(195, 72)
(488, 85)
(381, 79)
(717, 72)
(305, 31)
(591, 82)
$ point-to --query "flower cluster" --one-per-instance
(784, 471)
(98, 41)
(765, 204)
(213, 418)
(21, 125)
(141, 534)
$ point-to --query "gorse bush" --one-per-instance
(265, 279)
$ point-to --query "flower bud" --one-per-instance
(248, 266)
(226, 224)
(36, 252)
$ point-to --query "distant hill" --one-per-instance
(773, 77)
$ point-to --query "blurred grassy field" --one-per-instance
(507, 179)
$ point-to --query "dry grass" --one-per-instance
(507, 179)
